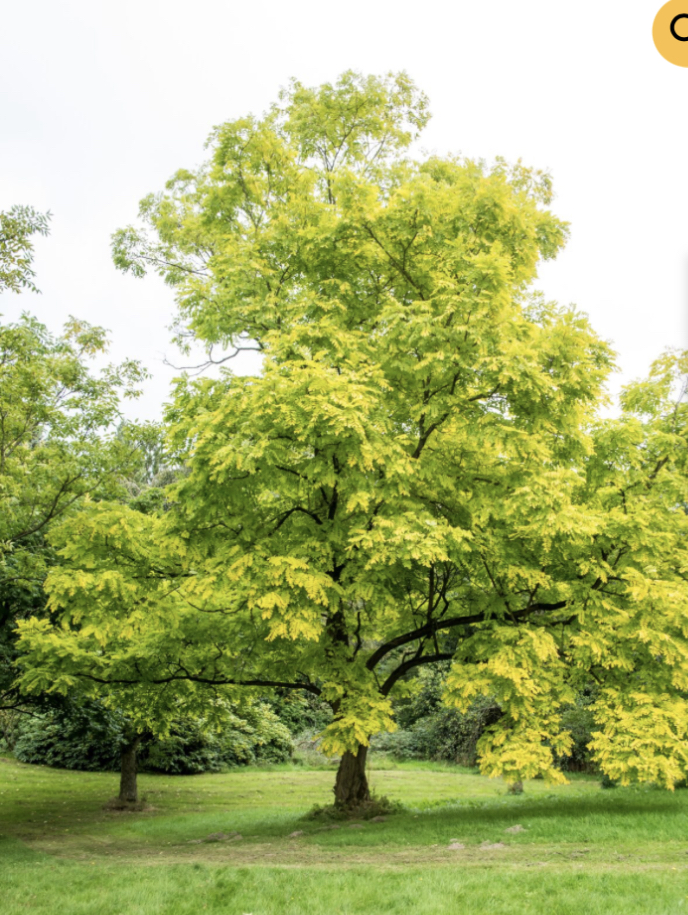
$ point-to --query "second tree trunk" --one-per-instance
(128, 791)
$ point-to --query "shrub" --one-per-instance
(89, 736)
(578, 720)
(300, 711)
(442, 734)
(9, 729)
(401, 744)
(272, 740)
(85, 736)
(430, 730)
(189, 749)
(258, 736)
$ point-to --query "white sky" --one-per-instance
(101, 102)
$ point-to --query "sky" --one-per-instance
(101, 102)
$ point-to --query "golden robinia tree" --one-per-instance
(420, 472)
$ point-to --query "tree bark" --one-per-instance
(351, 786)
(128, 788)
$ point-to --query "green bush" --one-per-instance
(10, 721)
(430, 730)
(401, 744)
(300, 711)
(86, 737)
(443, 734)
(272, 738)
(253, 735)
(188, 750)
(257, 736)
(90, 737)
(426, 699)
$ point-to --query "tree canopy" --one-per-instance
(419, 474)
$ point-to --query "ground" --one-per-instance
(579, 849)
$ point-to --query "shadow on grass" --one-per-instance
(616, 806)
(14, 851)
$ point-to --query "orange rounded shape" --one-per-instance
(670, 32)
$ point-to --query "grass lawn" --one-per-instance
(580, 850)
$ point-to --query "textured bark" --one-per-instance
(351, 787)
(128, 790)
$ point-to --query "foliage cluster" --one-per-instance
(579, 720)
(300, 711)
(17, 225)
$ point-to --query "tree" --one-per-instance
(59, 443)
(58, 447)
(417, 476)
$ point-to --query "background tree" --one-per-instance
(59, 443)
(417, 476)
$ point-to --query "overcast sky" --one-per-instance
(102, 102)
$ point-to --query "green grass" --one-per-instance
(583, 850)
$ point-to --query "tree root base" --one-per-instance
(367, 810)
(121, 806)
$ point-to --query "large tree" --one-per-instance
(417, 475)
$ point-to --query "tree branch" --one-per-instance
(438, 625)
(208, 681)
(409, 665)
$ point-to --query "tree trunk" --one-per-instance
(128, 790)
(351, 787)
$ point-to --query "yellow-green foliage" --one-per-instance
(418, 474)
(59, 441)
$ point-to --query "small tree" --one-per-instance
(418, 475)
(58, 437)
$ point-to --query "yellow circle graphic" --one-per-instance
(670, 32)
